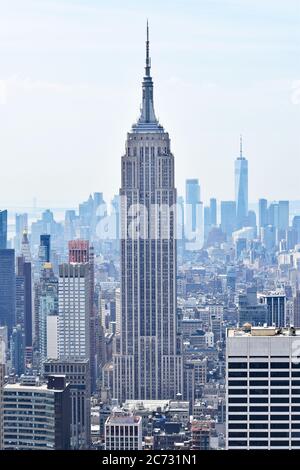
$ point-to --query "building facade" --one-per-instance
(263, 387)
(148, 361)
(37, 416)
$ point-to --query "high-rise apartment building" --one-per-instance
(148, 359)
(80, 251)
(37, 416)
(263, 386)
(74, 311)
(241, 188)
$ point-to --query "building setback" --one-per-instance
(148, 359)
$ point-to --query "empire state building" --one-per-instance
(148, 356)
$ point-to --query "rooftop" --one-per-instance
(248, 330)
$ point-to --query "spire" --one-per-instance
(148, 62)
(241, 146)
(147, 121)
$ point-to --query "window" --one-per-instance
(258, 425)
(280, 408)
(237, 443)
(280, 434)
(279, 443)
(258, 417)
(237, 374)
(280, 374)
(280, 426)
(261, 383)
(258, 434)
(258, 443)
(237, 383)
(280, 365)
(237, 400)
(259, 408)
(258, 400)
(259, 365)
(259, 374)
(282, 383)
(237, 434)
(237, 365)
(237, 426)
(238, 408)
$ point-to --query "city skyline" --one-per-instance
(77, 113)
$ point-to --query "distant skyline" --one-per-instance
(70, 90)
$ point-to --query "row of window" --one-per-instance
(278, 443)
(263, 365)
(264, 426)
(263, 417)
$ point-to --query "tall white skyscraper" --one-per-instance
(74, 311)
(263, 388)
(241, 187)
(148, 362)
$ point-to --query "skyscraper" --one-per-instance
(77, 374)
(80, 251)
(192, 199)
(213, 212)
(74, 311)
(3, 230)
(7, 289)
(262, 387)
(41, 415)
(24, 273)
(17, 350)
(148, 362)
(241, 188)
(263, 212)
(21, 225)
(228, 217)
(44, 253)
(276, 304)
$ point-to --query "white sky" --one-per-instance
(70, 88)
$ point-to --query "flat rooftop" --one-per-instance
(248, 330)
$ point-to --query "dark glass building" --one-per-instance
(45, 247)
(7, 289)
(3, 230)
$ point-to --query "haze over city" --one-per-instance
(70, 90)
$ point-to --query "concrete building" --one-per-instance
(2, 375)
(123, 431)
(74, 311)
(37, 416)
(77, 374)
(263, 387)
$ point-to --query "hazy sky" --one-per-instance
(70, 88)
